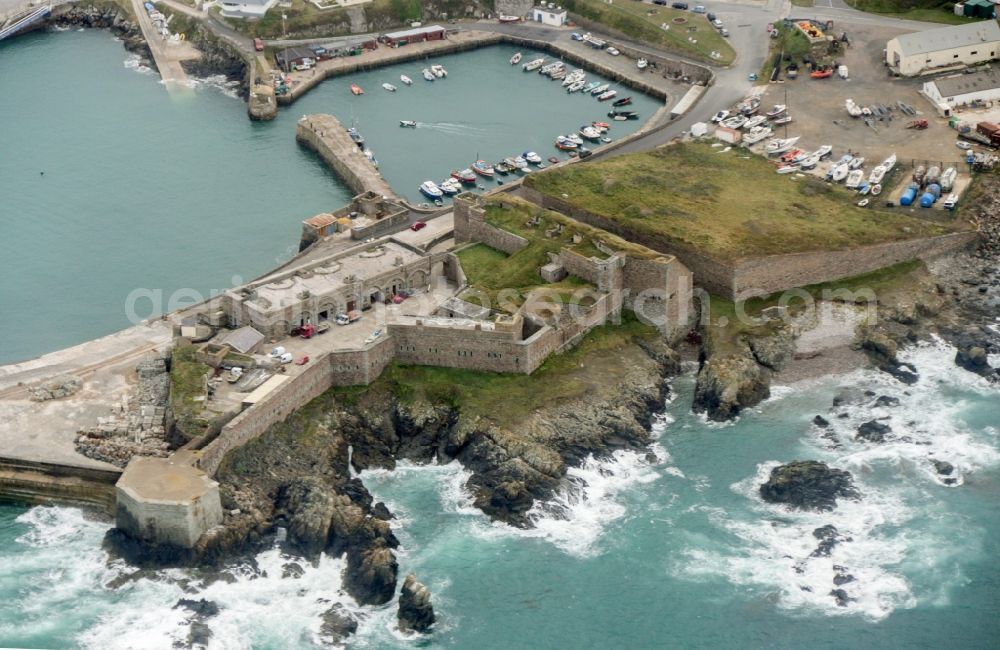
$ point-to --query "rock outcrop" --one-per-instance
(808, 485)
(873, 431)
(415, 611)
(337, 624)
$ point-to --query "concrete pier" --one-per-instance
(325, 135)
(166, 54)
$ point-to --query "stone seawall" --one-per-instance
(32, 482)
(325, 135)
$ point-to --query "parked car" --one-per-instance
(711, 17)
(613, 51)
(680, 5)
(418, 225)
(303, 361)
(374, 336)
(576, 36)
(277, 351)
(285, 358)
(258, 45)
(716, 23)
(660, 2)
(699, 9)
(963, 145)
(724, 32)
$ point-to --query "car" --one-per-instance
(258, 45)
(576, 36)
(277, 351)
(721, 115)
(699, 9)
(418, 225)
(660, 2)
(724, 32)
(716, 23)
(303, 361)
(374, 336)
(613, 51)
(710, 17)
(752, 76)
(285, 358)
(680, 5)
(963, 145)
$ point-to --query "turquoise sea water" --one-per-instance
(182, 194)
(677, 553)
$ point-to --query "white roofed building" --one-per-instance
(246, 8)
(943, 48)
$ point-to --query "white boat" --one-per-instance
(590, 132)
(576, 87)
(757, 134)
(810, 162)
(574, 138)
(734, 122)
(889, 163)
(641, 64)
(450, 186)
(777, 110)
(370, 155)
(533, 65)
(600, 89)
(406, 80)
(862, 203)
(564, 143)
(784, 119)
(852, 109)
(389, 87)
(754, 121)
(823, 151)
(573, 77)
(603, 97)
(532, 157)
(558, 73)
(856, 162)
(876, 189)
(520, 162)
(428, 75)
(514, 60)
(948, 179)
(855, 178)
(876, 175)
(787, 169)
(439, 71)
(431, 190)
(409, 124)
(552, 67)
(839, 172)
(781, 145)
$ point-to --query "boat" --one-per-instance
(533, 65)
(564, 143)
(552, 67)
(389, 87)
(854, 178)
(438, 71)
(406, 80)
(621, 116)
(785, 119)
(520, 163)
(876, 189)
(572, 78)
(866, 112)
(514, 60)
(600, 89)
(513, 163)
(431, 190)
(757, 134)
(810, 162)
(409, 124)
(601, 126)
(532, 157)
(821, 74)
(590, 132)
(503, 168)
(787, 169)
(428, 75)
(641, 64)
(370, 155)
(800, 156)
(356, 136)
(876, 175)
(889, 163)
(450, 186)
(856, 162)
(748, 106)
(466, 176)
(781, 145)
(576, 87)
(792, 156)
(356, 89)
(574, 138)
(863, 202)
(775, 112)
(864, 188)
(756, 120)
(852, 109)
(948, 179)
(735, 122)
(624, 101)
(823, 151)
(553, 159)
(603, 97)
(483, 168)
(590, 87)
(558, 74)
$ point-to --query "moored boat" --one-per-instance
(520, 163)
(590, 132)
(562, 142)
(590, 86)
(533, 65)
(356, 136)
(624, 101)
(483, 168)
(503, 168)
(438, 71)
(508, 19)
(532, 157)
(576, 87)
(389, 87)
(889, 163)
(876, 175)
(428, 75)
(601, 126)
(406, 80)
(450, 186)
(514, 60)
(558, 74)
(605, 96)
(431, 190)
(600, 89)
(856, 162)
(465, 175)
(356, 89)
(574, 138)
(621, 116)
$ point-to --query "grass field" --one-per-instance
(726, 205)
(642, 22)
(932, 11)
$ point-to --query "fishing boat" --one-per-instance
(776, 111)
(431, 190)
(781, 145)
(562, 142)
(406, 80)
(450, 186)
(508, 19)
(601, 126)
(876, 175)
(590, 132)
(503, 168)
(889, 163)
(948, 179)
(854, 178)
(514, 60)
(356, 136)
(590, 86)
(558, 74)
(621, 116)
(852, 108)
(605, 96)
(483, 168)
(734, 122)
(823, 151)
(749, 106)
(428, 75)
(756, 120)
(756, 134)
(787, 169)
(438, 71)
(784, 119)
(533, 65)
(409, 124)
(356, 89)
(389, 87)
(641, 64)
(856, 162)
(512, 163)
(532, 157)
(574, 138)
(624, 101)
(520, 163)
(603, 88)
(576, 87)
(876, 189)
(466, 176)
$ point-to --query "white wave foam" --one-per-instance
(135, 63)
(217, 82)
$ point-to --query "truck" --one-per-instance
(989, 130)
(347, 318)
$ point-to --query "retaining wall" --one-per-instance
(33, 482)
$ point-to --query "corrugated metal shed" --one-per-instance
(946, 38)
(243, 340)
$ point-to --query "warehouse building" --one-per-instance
(944, 47)
(964, 89)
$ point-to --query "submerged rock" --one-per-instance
(841, 597)
(415, 610)
(821, 421)
(808, 485)
(201, 608)
(828, 537)
(943, 467)
(873, 431)
(337, 624)
(887, 401)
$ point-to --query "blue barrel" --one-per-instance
(934, 189)
(926, 200)
(909, 195)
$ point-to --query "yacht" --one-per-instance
(431, 190)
